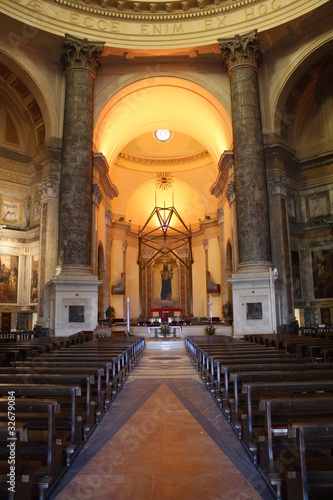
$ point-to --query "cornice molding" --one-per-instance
(138, 25)
(156, 11)
(164, 161)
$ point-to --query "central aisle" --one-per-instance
(165, 439)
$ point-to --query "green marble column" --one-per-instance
(242, 56)
(80, 59)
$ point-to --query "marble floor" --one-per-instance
(165, 439)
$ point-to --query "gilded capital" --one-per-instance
(241, 50)
(81, 53)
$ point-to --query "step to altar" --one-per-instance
(164, 345)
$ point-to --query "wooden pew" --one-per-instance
(117, 376)
(313, 469)
(212, 377)
(62, 393)
(21, 368)
(108, 392)
(276, 365)
(273, 376)
(208, 367)
(254, 389)
(299, 362)
(38, 450)
(83, 380)
(25, 470)
(39, 415)
(280, 412)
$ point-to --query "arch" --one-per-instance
(291, 78)
(40, 103)
(149, 103)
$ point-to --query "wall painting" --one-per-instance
(8, 279)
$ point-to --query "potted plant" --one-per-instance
(110, 313)
(227, 312)
(210, 330)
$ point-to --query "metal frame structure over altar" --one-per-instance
(165, 254)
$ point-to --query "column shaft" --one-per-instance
(242, 56)
(80, 60)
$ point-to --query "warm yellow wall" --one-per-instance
(132, 281)
(199, 281)
(116, 270)
(214, 267)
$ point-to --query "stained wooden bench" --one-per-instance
(212, 375)
(279, 413)
(254, 389)
(272, 376)
(38, 415)
(62, 393)
(108, 391)
(22, 368)
(39, 448)
(312, 476)
(84, 410)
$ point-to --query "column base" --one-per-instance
(73, 303)
(254, 304)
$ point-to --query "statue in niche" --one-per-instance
(166, 275)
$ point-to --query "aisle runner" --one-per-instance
(164, 364)
(161, 452)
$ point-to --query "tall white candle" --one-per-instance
(128, 314)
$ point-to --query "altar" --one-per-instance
(165, 312)
(156, 331)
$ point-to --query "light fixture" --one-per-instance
(163, 180)
(162, 135)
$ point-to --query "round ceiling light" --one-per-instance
(162, 135)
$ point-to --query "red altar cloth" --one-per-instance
(165, 309)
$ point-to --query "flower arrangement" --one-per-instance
(210, 330)
(165, 330)
(101, 335)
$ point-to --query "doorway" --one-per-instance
(325, 313)
(6, 322)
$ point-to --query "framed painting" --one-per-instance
(34, 279)
(8, 279)
(322, 270)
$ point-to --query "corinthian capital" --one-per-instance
(81, 54)
(97, 195)
(230, 192)
(241, 49)
(220, 216)
(108, 217)
(48, 188)
(278, 185)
